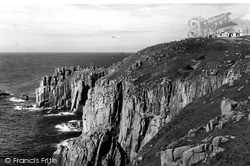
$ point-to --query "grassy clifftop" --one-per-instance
(182, 59)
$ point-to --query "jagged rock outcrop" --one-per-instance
(67, 88)
(136, 102)
(189, 154)
(95, 148)
(209, 147)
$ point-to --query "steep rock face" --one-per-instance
(138, 117)
(201, 121)
(95, 148)
(135, 119)
(144, 92)
(67, 88)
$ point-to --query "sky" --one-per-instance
(103, 27)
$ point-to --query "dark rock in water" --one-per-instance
(28, 105)
(3, 93)
(25, 97)
(75, 124)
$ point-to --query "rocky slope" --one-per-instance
(212, 130)
(134, 109)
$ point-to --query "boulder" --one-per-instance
(172, 157)
(137, 161)
(219, 140)
(74, 125)
(178, 152)
(167, 158)
(215, 151)
(227, 106)
(25, 97)
(195, 154)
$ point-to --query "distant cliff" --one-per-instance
(67, 88)
(125, 106)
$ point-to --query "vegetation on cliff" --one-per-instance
(152, 101)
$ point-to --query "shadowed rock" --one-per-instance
(3, 93)
(91, 149)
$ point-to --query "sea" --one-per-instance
(28, 136)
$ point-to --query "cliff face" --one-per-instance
(67, 88)
(211, 130)
(97, 147)
(125, 106)
(138, 117)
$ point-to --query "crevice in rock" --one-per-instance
(170, 87)
(115, 120)
(143, 131)
(74, 104)
(84, 94)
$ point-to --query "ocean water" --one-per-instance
(29, 133)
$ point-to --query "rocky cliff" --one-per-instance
(125, 106)
(67, 88)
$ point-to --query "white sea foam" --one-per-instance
(15, 99)
(63, 127)
(72, 121)
(62, 143)
(18, 107)
(61, 114)
(34, 108)
(29, 108)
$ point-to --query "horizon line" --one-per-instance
(66, 52)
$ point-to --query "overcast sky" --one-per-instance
(103, 28)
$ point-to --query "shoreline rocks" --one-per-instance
(25, 97)
(3, 93)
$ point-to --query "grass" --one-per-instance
(177, 60)
(199, 113)
(173, 60)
